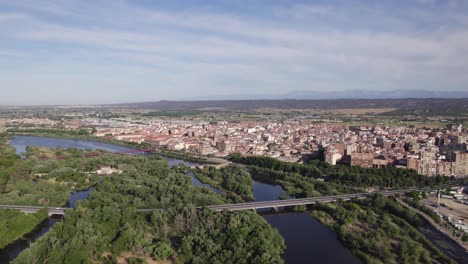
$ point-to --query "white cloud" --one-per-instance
(221, 51)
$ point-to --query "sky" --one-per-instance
(92, 52)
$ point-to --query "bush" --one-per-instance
(162, 251)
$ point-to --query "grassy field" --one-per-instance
(14, 224)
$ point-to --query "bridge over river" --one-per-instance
(238, 206)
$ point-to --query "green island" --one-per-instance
(235, 181)
(107, 227)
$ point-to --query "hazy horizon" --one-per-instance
(101, 52)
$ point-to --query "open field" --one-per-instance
(362, 111)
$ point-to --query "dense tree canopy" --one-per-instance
(389, 177)
(107, 225)
(233, 179)
(379, 230)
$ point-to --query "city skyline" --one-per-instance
(117, 51)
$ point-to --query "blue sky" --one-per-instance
(87, 52)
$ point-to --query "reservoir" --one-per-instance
(307, 240)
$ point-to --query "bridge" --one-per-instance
(34, 209)
(275, 204)
(240, 206)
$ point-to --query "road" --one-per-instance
(240, 206)
(34, 209)
(292, 202)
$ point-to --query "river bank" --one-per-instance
(305, 229)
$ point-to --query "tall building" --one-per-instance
(362, 159)
(460, 165)
(427, 162)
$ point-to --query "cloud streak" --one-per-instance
(161, 53)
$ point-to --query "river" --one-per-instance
(307, 240)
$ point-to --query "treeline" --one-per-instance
(414, 203)
(378, 230)
(54, 132)
(278, 165)
(355, 176)
(106, 228)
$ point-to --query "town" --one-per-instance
(428, 151)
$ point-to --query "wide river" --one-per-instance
(307, 240)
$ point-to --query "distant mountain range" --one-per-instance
(400, 99)
(344, 94)
(459, 105)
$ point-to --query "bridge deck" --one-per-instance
(34, 209)
(292, 202)
(239, 206)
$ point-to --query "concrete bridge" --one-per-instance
(293, 202)
(33, 209)
(303, 201)
(240, 206)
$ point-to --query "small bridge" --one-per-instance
(34, 209)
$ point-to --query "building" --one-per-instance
(362, 159)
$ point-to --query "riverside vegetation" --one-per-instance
(19, 186)
(107, 228)
(377, 230)
(14, 224)
(350, 176)
(235, 182)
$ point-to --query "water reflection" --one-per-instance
(11, 251)
(197, 182)
(21, 142)
(309, 241)
(266, 192)
(76, 196)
